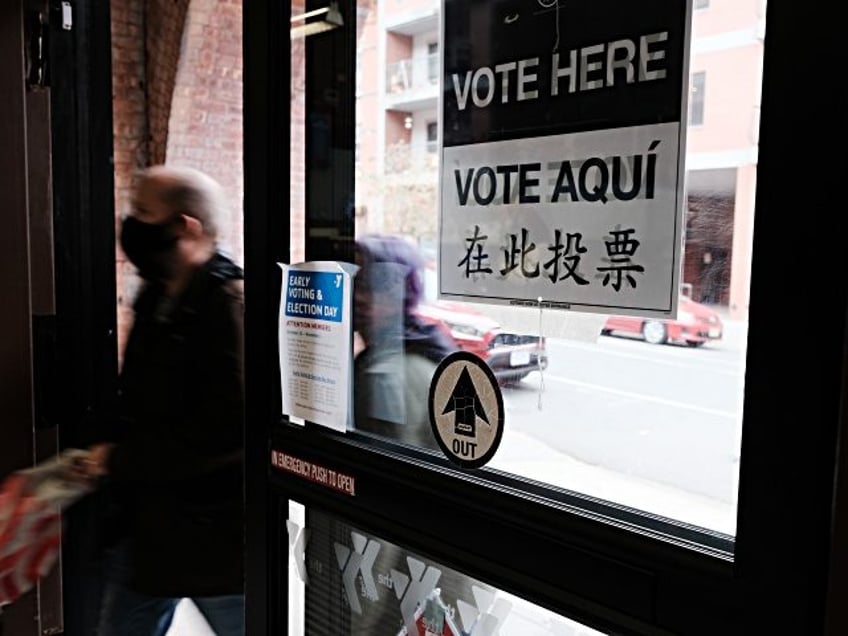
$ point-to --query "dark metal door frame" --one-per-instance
(16, 386)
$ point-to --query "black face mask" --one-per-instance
(149, 247)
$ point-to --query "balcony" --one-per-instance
(414, 21)
(413, 84)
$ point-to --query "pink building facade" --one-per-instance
(397, 111)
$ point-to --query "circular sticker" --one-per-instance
(466, 409)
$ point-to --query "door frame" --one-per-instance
(85, 344)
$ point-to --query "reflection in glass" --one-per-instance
(297, 156)
(397, 352)
(345, 581)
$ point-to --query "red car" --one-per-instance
(695, 325)
(510, 356)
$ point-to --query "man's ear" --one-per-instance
(192, 226)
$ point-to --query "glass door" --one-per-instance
(632, 491)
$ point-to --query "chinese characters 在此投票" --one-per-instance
(566, 250)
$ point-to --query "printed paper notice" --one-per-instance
(315, 342)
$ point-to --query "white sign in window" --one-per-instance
(562, 154)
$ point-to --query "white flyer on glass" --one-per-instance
(563, 144)
(315, 342)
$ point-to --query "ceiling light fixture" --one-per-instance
(331, 18)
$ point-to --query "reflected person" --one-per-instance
(393, 371)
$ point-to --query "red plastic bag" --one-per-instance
(433, 618)
(31, 503)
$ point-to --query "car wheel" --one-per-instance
(606, 332)
(654, 332)
(695, 343)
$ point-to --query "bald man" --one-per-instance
(177, 459)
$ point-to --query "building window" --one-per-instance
(696, 98)
(433, 62)
(432, 136)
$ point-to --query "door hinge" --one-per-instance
(67, 16)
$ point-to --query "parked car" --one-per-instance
(695, 325)
(510, 356)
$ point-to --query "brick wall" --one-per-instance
(177, 78)
(129, 105)
(177, 98)
(163, 36)
(205, 126)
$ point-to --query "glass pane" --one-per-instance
(696, 98)
(345, 581)
(642, 412)
(298, 137)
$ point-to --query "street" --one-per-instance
(661, 414)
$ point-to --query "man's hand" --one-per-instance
(97, 462)
(94, 465)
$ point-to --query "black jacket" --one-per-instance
(179, 460)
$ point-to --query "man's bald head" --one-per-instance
(166, 191)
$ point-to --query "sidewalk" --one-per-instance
(522, 455)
